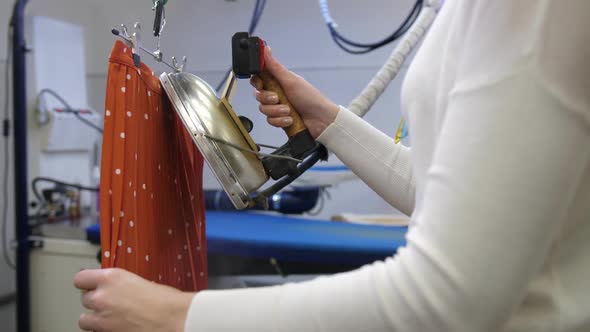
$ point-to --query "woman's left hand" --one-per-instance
(122, 301)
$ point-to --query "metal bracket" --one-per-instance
(134, 41)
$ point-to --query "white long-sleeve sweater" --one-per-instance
(498, 106)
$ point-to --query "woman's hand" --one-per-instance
(124, 302)
(316, 110)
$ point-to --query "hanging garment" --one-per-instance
(152, 213)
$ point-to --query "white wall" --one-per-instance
(202, 30)
(7, 282)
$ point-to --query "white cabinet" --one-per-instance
(55, 303)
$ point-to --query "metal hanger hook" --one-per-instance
(178, 67)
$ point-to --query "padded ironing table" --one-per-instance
(294, 240)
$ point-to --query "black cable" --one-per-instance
(346, 48)
(406, 24)
(345, 43)
(6, 135)
(69, 109)
(256, 15)
(320, 206)
(352, 47)
(58, 182)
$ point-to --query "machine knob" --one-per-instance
(247, 123)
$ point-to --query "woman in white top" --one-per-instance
(497, 183)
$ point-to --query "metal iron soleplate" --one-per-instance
(202, 113)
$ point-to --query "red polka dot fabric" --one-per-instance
(152, 213)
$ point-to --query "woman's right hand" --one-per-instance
(317, 111)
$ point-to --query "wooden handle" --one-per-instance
(270, 83)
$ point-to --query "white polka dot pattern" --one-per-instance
(154, 232)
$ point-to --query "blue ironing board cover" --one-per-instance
(295, 239)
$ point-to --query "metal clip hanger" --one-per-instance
(179, 67)
(134, 41)
(135, 44)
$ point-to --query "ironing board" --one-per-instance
(294, 239)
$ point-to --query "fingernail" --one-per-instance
(287, 121)
(284, 111)
(273, 98)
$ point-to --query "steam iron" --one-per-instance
(223, 137)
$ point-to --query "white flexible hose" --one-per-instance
(325, 10)
(361, 104)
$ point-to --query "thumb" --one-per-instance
(275, 68)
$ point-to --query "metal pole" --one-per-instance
(19, 89)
